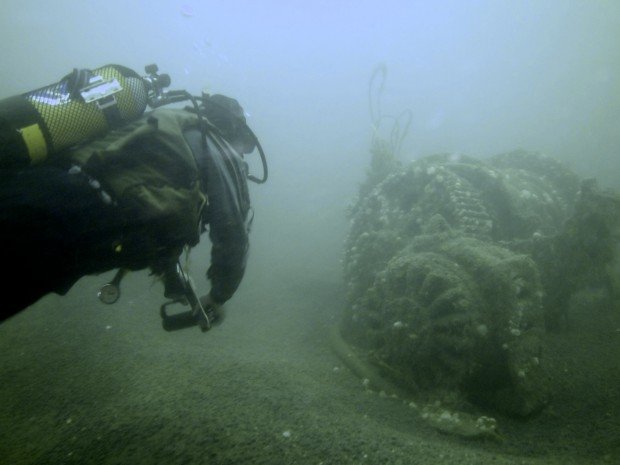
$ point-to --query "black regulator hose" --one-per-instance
(239, 120)
(263, 159)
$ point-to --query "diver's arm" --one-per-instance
(227, 214)
(228, 256)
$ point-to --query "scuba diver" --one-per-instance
(90, 182)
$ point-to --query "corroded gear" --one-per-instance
(508, 205)
(457, 313)
(443, 263)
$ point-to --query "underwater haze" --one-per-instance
(81, 382)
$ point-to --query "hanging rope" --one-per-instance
(400, 124)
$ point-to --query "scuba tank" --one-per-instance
(86, 104)
(83, 105)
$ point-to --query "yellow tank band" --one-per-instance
(35, 143)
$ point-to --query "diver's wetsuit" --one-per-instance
(55, 228)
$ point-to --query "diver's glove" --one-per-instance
(212, 309)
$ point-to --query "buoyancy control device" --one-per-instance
(81, 106)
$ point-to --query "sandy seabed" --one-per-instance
(84, 383)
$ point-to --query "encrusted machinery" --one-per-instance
(456, 268)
